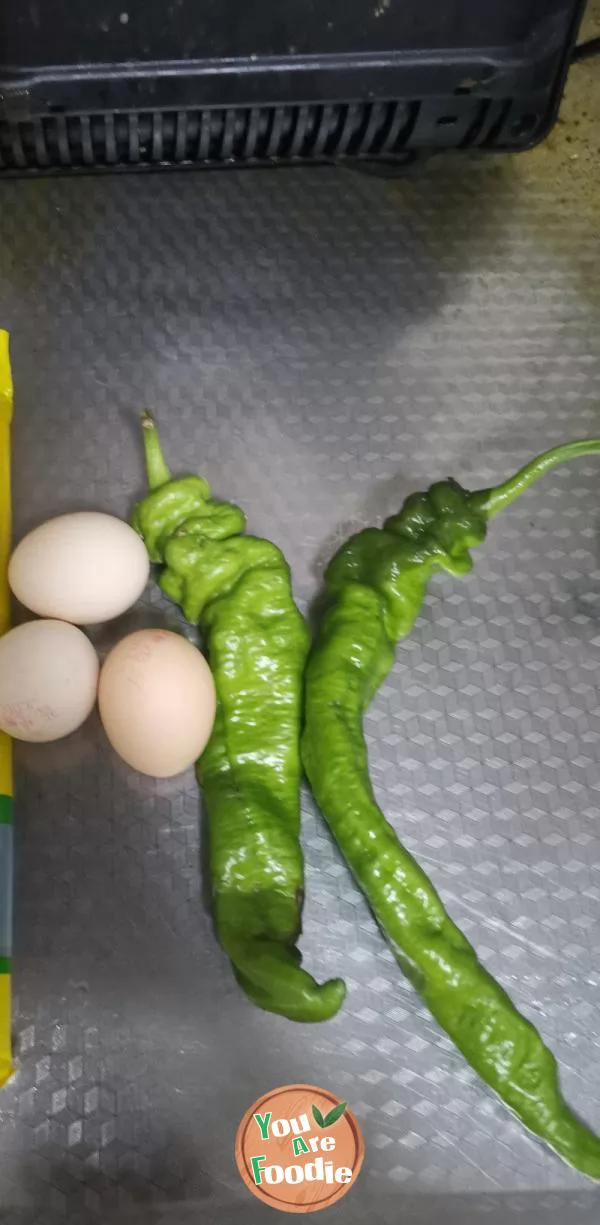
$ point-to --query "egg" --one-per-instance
(48, 680)
(157, 701)
(85, 568)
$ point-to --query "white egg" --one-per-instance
(157, 702)
(85, 568)
(48, 680)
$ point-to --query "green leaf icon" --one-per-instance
(317, 1116)
(334, 1114)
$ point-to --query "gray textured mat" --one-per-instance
(318, 343)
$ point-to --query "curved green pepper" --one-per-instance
(237, 589)
(376, 583)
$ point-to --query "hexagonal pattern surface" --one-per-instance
(317, 343)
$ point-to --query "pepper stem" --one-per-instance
(156, 468)
(490, 501)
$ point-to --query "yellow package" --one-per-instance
(6, 781)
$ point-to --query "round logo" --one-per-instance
(299, 1148)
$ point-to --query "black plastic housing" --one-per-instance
(151, 83)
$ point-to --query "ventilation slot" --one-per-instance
(238, 134)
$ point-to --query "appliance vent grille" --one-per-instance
(254, 134)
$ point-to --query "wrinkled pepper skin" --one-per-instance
(237, 589)
(376, 584)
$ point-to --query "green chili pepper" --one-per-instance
(237, 589)
(376, 585)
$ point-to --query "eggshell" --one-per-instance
(48, 680)
(85, 568)
(157, 702)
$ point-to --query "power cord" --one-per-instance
(586, 51)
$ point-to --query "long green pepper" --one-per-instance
(237, 589)
(376, 585)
